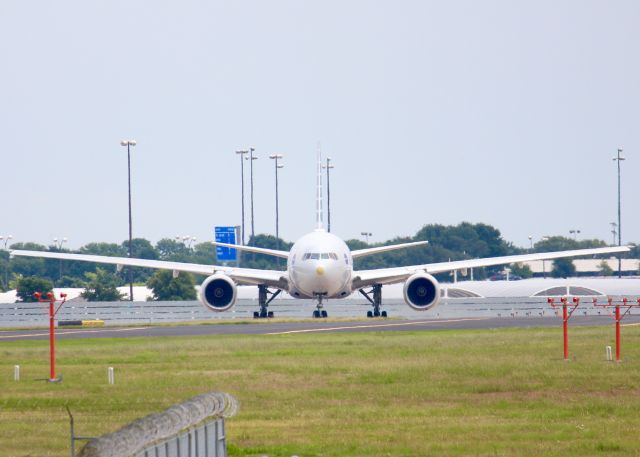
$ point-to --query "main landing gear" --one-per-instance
(319, 312)
(263, 301)
(376, 301)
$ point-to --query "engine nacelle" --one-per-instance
(422, 291)
(218, 292)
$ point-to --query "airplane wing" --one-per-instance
(271, 252)
(363, 252)
(383, 276)
(242, 276)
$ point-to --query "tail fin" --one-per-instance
(319, 224)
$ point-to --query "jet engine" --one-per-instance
(422, 291)
(218, 292)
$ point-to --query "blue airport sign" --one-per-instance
(226, 235)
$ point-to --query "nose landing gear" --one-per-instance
(376, 301)
(319, 312)
(263, 301)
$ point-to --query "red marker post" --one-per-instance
(51, 299)
(566, 315)
(617, 316)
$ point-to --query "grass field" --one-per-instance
(450, 393)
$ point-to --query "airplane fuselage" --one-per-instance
(320, 264)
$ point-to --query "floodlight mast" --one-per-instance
(619, 159)
(129, 144)
(241, 153)
(328, 166)
(276, 158)
(58, 242)
(252, 158)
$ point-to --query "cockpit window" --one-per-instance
(320, 255)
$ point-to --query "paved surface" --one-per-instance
(313, 326)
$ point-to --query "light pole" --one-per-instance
(575, 233)
(252, 158)
(241, 153)
(58, 242)
(619, 159)
(187, 240)
(614, 232)
(128, 144)
(328, 166)
(5, 240)
(544, 270)
(366, 235)
(276, 158)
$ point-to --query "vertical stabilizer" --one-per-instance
(319, 224)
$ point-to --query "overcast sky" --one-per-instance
(501, 112)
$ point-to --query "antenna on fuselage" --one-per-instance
(319, 224)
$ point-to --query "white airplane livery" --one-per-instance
(319, 267)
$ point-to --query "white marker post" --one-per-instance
(111, 376)
(609, 355)
(16, 373)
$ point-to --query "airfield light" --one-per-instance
(128, 144)
(51, 300)
(366, 235)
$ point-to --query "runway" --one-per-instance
(275, 329)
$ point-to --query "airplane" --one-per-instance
(319, 267)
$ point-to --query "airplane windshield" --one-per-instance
(320, 255)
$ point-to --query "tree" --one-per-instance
(4, 270)
(173, 250)
(140, 249)
(29, 285)
(262, 261)
(28, 266)
(521, 270)
(167, 288)
(563, 268)
(102, 286)
(604, 268)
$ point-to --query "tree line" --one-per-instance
(446, 243)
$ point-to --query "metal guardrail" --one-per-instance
(125, 313)
(192, 428)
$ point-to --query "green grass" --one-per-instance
(450, 393)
